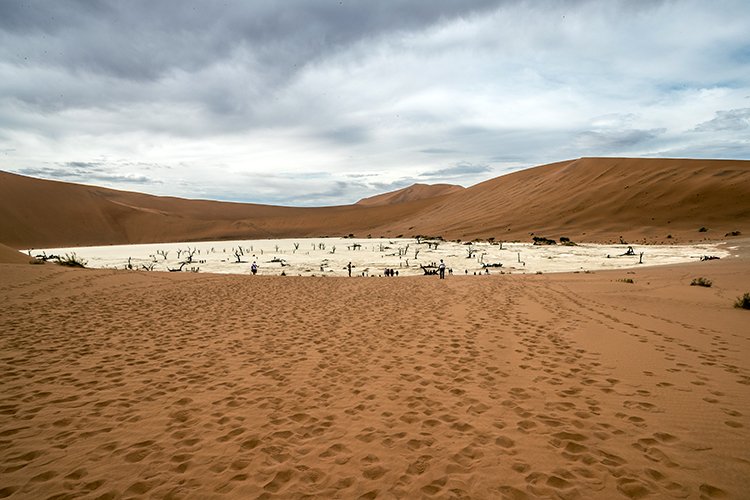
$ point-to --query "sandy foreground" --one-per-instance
(132, 384)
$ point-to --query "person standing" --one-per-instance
(254, 268)
(349, 267)
(441, 269)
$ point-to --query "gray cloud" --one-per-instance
(146, 40)
(733, 120)
(457, 171)
(616, 140)
(85, 172)
(346, 135)
(438, 151)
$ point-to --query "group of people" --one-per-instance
(391, 272)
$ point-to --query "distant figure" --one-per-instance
(349, 267)
(254, 268)
(396, 273)
(441, 269)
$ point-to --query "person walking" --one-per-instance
(441, 269)
(349, 267)
(254, 268)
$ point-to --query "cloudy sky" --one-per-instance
(323, 102)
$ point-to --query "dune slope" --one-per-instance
(41, 213)
(412, 193)
(598, 199)
(590, 199)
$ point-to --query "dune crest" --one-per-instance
(412, 193)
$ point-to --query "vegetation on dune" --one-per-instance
(743, 302)
(701, 281)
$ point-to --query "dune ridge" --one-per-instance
(589, 199)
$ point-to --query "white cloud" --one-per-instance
(245, 103)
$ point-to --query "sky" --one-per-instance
(313, 103)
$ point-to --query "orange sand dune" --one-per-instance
(411, 193)
(591, 199)
(41, 213)
(132, 384)
(599, 199)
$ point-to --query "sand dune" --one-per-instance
(41, 213)
(11, 256)
(599, 199)
(203, 386)
(591, 199)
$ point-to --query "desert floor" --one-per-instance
(119, 384)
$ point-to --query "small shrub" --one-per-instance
(701, 282)
(669, 236)
(733, 233)
(627, 280)
(743, 302)
(702, 229)
(541, 240)
(71, 260)
(36, 262)
(565, 241)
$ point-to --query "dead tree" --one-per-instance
(296, 247)
(182, 264)
(471, 250)
(149, 267)
(238, 254)
(190, 254)
(163, 253)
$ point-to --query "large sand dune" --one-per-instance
(599, 199)
(591, 199)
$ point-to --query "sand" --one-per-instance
(129, 384)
